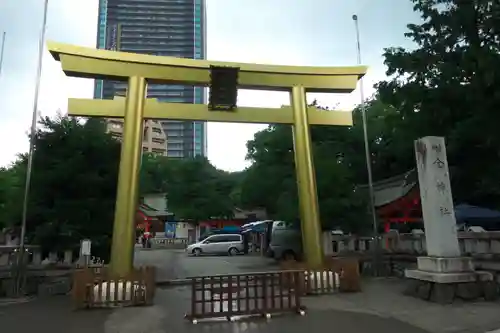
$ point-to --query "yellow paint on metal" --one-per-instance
(199, 112)
(306, 180)
(127, 194)
(139, 68)
(103, 64)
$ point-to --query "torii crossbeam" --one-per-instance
(138, 69)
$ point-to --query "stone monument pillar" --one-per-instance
(327, 243)
(443, 269)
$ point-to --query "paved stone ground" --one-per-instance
(52, 315)
(380, 308)
(383, 297)
(166, 262)
(165, 317)
(174, 264)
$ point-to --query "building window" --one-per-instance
(175, 153)
(174, 146)
(158, 151)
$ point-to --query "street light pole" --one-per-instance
(1, 51)
(32, 147)
(368, 156)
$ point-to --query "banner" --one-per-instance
(170, 228)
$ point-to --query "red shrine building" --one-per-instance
(149, 219)
(397, 202)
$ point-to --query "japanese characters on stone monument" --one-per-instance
(442, 275)
(436, 197)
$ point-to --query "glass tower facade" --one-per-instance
(159, 27)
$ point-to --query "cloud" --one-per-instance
(300, 32)
(68, 21)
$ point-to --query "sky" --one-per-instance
(288, 32)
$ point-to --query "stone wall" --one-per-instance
(471, 243)
(34, 256)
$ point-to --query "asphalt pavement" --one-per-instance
(50, 315)
(176, 264)
(379, 308)
(167, 315)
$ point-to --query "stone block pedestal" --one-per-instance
(442, 280)
(443, 270)
(443, 275)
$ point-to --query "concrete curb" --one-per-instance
(173, 282)
(182, 282)
(12, 301)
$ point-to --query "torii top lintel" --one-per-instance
(86, 62)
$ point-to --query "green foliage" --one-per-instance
(154, 173)
(74, 180)
(197, 190)
(73, 186)
(449, 85)
(194, 188)
(11, 192)
(271, 183)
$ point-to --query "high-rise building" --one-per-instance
(153, 138)
(159, 27)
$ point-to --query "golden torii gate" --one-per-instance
(138, 69)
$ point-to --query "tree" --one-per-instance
(270, 181)
(12, 180)
(389, 146)
(155, 170)
(449, 85)
(270, 178)
(73, 185)
(74, 180)
(196, 190)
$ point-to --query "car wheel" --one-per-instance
(197, 252)
(233, 251)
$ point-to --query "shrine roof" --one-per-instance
(391, 189)
(152, 212)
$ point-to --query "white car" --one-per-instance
(231, 244)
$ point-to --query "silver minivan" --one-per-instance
(231, 244)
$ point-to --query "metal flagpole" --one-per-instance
(1, 51)
(368, 156)
(32, 146)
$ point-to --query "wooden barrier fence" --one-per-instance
(95, 287)
(337, 274)
(245, 294)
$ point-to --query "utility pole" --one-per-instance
(22, 245)
(1, 51)
(376, 239)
